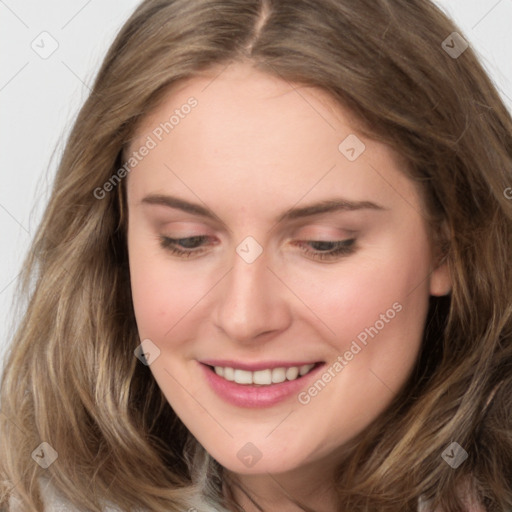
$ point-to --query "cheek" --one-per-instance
(170, 297)
(390, 330)
(387, 291)
(159, 293)
(377, 309)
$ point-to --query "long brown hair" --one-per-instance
(71, 378)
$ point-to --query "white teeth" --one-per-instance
(278, 375)
(292, 373)
(243, 377)
(229, 374)
(305, 369)
(263, 377)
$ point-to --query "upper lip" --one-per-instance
(253, 367)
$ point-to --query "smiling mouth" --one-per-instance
(264, 377)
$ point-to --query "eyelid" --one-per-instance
(184, 229)
(334, 232)
(340, 249)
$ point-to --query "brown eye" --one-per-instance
(184, 247)
(328, 249)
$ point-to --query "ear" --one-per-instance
(440, 278)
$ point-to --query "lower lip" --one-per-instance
(245, 395)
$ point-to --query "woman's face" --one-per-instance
(262, 182)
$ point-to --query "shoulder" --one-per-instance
(54, 502)
(471, 504)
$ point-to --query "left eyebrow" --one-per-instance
(326, 206)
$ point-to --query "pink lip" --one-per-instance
(244, 395)
(254, 367)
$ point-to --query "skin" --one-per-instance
(252, 148)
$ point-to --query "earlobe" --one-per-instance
(440, 279)
(440, 276)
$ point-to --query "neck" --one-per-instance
(281, 492)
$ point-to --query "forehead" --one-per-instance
(252, 133)
(239, 96)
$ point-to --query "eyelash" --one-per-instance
(341, 247)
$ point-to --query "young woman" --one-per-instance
(274, 272)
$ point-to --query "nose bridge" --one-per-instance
(249, 302)
(244, 276)
(246, 282)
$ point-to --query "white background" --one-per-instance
(39, 99)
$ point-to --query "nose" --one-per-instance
(251, 301)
